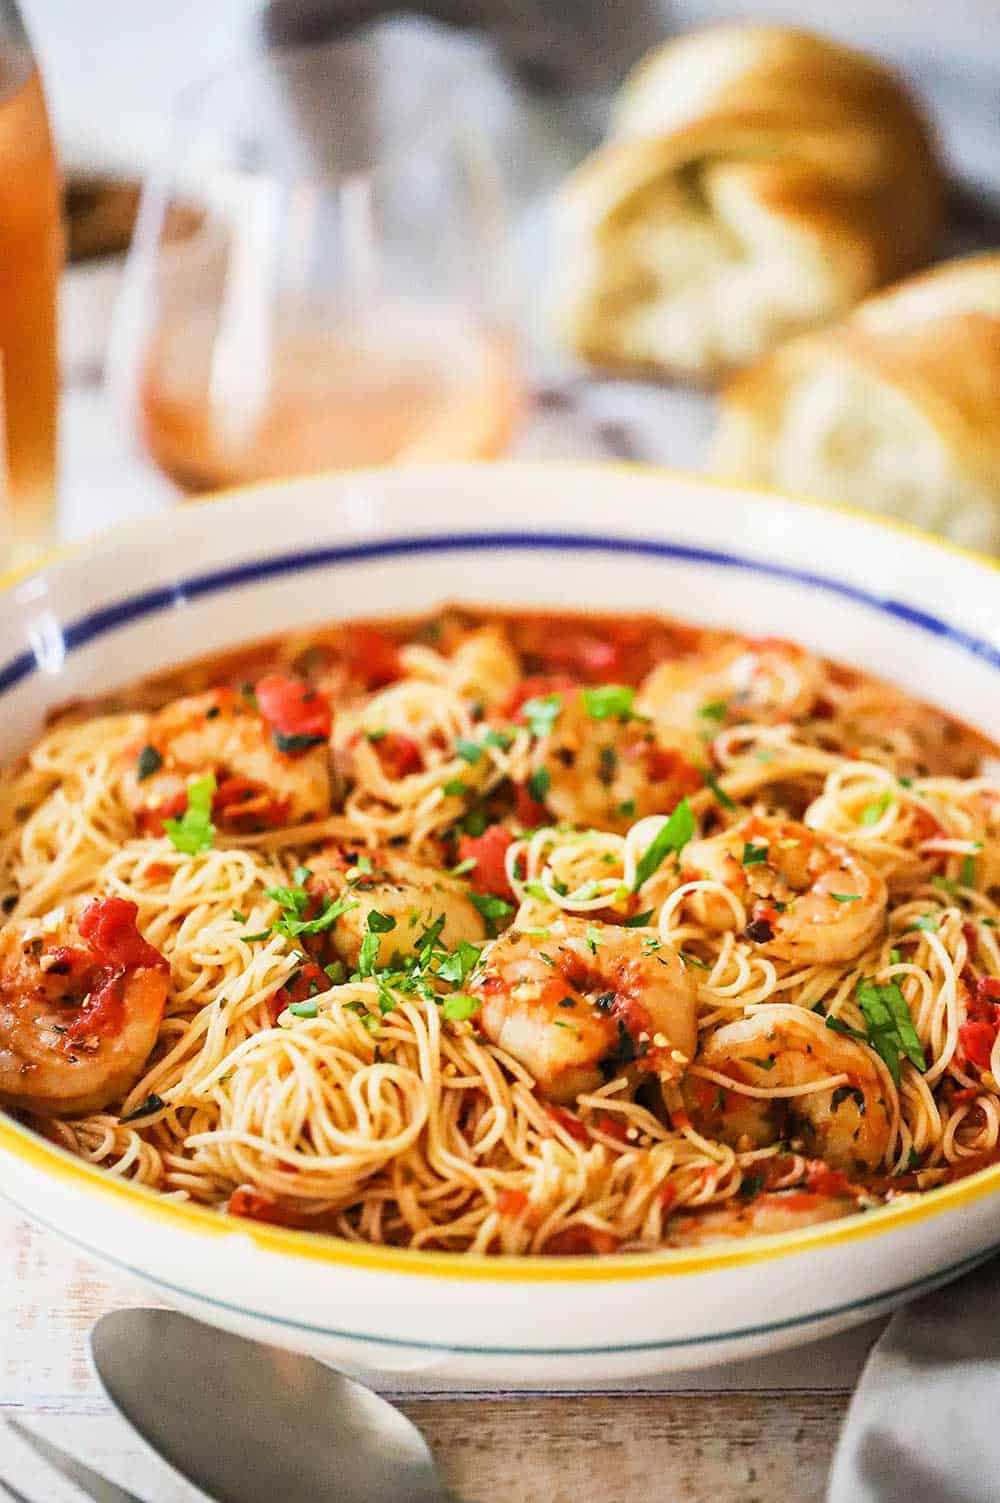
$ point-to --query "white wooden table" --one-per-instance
(760, 1432)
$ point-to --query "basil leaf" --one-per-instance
(194, 831)
(672, 837)
(607, 700)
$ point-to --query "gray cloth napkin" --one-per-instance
(924, 1423)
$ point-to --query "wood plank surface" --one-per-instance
(698, 1447)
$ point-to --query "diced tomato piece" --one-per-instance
(293, 707)
(575, 1241)
(667, 1196)
(976, 1040)
(536, 686)
(308, 981)
(252, 1205)
(372, 656)
(666, 764)
(823, 1180)
(108, 925)
(512, 1202)
(613, 1127)
(400, 755)
(488, 851)
(150, 820)
(570, 1124)
(988, 989)
(528, 810)
(104, 1010)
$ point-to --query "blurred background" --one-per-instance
(281, 262)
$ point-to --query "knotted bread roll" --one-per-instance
(758, 181)
(896, 409)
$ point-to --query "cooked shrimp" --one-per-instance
(268, 753)
(766, 682)
(879, 718)
(414, 897)
(840, 1109)
(811, 898)
(606, 774)
(767, 1215)
(484, 667)
(584, 1002)
(80, 1007)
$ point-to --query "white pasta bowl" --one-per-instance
(203, 578)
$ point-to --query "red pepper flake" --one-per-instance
(512, 1202)
(568, 1122)
(613, 1127)
(399, 755)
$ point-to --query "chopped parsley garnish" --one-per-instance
(474, 822)
(455, 788)
(296, 742)
(238, 917)
(926, 922)
(536, 890)
(541, 713)
(459, 1007)
(145, 1108)
(468, 865)
(194, 831)
(608, 765)
(873, 812)
(149, 762)
(538, 784)
(607, 700)
(626, 808)
(501, 739)
(381, 923)
(711, 781)
(491, 908)
(593, 939)
(306, 1009)
(672, 837)
(469, 751)
(294, 901)
(716, 709)
(379, 734)
(844, 1093)
(457, 966)
(250, 939)
(846, 897)
(638, 920)
(890, 1027)
(335, 972)
(967, 875)
(754, 855)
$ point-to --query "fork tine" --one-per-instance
(96, 1487)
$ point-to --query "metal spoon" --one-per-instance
(249, 1423)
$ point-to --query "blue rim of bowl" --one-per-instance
(665, 1262)
(96, 624)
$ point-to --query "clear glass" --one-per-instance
(31, 253)
(321, 280)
